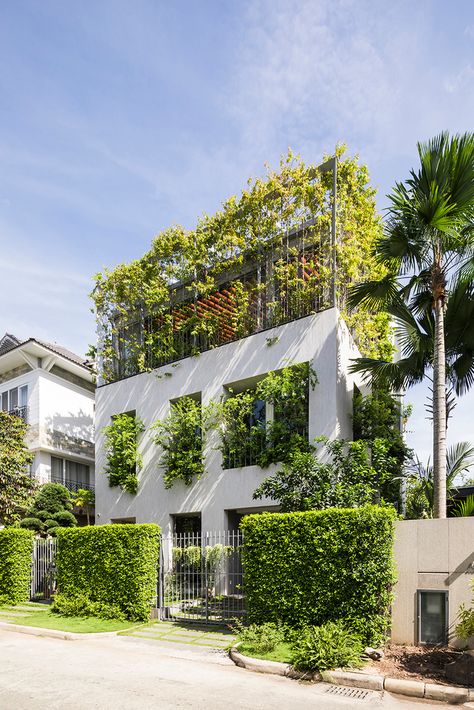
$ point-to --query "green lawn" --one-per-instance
(281, 653)
(40, 616)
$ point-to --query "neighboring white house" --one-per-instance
(52, 389)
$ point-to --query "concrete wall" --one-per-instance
(432, 555)
(311, 339)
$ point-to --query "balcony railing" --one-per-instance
(71, 485)
(21, 412)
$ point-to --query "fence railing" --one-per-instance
(73, 485)
(43, 569)
(201, 577)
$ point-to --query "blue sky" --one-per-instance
(118, 119)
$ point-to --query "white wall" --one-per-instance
(311, 339)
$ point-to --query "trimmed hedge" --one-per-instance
(318, 566)
(16, 549)
(114, 565)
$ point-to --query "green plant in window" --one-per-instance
(123, 458)
(180, 437)
(288, 392)
(248, 437)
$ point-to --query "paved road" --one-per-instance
(120, 673)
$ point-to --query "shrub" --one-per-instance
(48, 524)
(261, 639)
(31, 524)
(52, 498)
(308, 568)
(114, 565)
(65, 519)
(327, 647)
(16, 547)
(465, 626)
(81, 605)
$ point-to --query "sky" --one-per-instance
(119, 118)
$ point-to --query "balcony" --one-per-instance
(21, 412)
(72, 485)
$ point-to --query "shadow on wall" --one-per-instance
(248, 358)
(71, 432)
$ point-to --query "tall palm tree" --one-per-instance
(428, 247)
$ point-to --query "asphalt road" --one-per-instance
(118, 673)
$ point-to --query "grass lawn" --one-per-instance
(40, 616)
(281, 653)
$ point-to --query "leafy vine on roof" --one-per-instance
(149, 327)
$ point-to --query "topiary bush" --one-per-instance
(115, 565)
(16, 548)
(31, 524)
(332, 645)
(308, 568)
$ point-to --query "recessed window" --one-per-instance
(432, 617)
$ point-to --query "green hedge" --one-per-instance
(111, 564)
(318, 566)
(16, 548)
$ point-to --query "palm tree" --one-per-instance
(429, 243)
(421, 490)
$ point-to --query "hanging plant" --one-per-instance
(247, 437)
(180, 437)
(123, 459)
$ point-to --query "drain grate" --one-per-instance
(347, 692)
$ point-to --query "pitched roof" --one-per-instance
(9, 342)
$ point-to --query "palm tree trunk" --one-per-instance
(439, 413)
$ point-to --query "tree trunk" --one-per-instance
(439, 414)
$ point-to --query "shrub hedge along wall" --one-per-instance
(16, 547)
(318, 566)
(113, 564)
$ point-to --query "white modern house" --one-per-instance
(52, 389)
(222, 495)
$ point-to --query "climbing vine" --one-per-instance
(248, 437)
(180, 437)
(123, 458)
(264, 258)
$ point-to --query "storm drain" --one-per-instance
(347, 692)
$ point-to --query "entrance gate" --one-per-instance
(201, 577)
(43, 570)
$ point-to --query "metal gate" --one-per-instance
(43, 569)
(201, 577)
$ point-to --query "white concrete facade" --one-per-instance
(321, 339)
(59, 405)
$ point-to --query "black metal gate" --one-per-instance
(201, 577)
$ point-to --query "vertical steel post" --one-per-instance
(333, 229)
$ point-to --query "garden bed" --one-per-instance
(422, 663)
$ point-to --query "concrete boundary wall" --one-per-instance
(431, 555)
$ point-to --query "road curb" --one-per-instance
(358, 679)
(53, 633)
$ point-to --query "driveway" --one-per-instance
(126, 673)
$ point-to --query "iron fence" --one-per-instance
(201, 577)
(43, 569)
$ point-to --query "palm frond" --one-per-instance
(465, 508)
